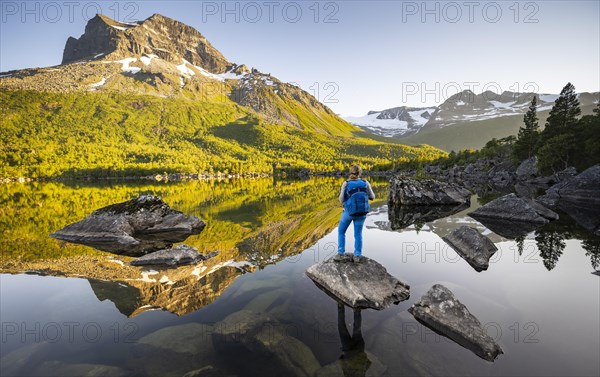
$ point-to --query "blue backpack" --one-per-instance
(356, 201)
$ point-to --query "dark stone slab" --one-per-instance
(135, 227)
(472, 246)
(439, 310)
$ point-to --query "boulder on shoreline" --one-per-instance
(472, 246)
(359, 285)
(579, 197)
(178, 255)
(512, 217)
(439, 310)
(135, 227)
(512, 208)
(425, 192)
(528, 170)
(583, 188)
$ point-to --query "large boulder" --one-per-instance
(512, 208)
(135, 227)
(472, 246)
(359, 285)
(583, 188)
(439, 310)
(178, 255)
(579, 197)
(426, 192)
(512, 217)
(528, 169)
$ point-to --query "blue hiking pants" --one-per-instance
(345, 221)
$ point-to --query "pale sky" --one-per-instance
(354, 56)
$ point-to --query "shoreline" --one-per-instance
(180, 177)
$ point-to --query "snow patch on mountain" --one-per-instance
(125, 65)
(99, 83)
(393, 122)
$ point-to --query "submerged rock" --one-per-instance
(135, 227)
(426, 192)
(359, 285)
(472, 246)
(439, 310)
(273, 350)
(192, 338)
(512, 208)
(180, 254)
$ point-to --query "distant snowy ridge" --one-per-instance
(462, 107)
(395, 122)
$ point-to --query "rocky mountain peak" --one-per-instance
(162, 36)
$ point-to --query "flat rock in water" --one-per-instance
(472, 246)
(512, 208)
(439, 310)
(135, 227)
(359, 285)
(180, 254)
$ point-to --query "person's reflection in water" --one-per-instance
(354, 360)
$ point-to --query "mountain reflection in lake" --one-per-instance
(251, 310)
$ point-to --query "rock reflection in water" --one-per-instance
(406, 216)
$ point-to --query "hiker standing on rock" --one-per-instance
(355, 195)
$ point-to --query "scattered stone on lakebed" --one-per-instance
(178, 255)
(472, 246)
(135, 227)
(439, 310)
(359, 285)
(274, 351)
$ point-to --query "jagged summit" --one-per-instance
(157, 35)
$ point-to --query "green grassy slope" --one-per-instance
(111, 133)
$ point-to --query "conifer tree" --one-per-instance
(564, 113)
(556, 147)
(528, 135)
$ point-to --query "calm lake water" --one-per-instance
(72, 310)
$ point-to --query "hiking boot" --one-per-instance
(339, 258)
(356, 259)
